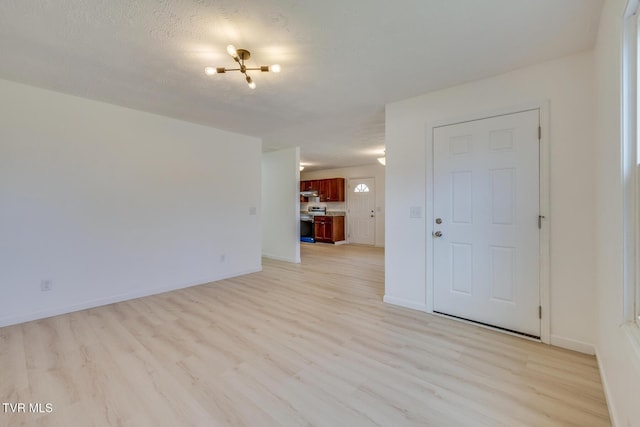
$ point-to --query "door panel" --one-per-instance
(486, 192)
(461, 200)
(461, 267)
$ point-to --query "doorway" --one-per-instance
(486, 221)
(361, 209)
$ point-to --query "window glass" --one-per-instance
(361, 188)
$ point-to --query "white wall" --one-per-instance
(111, 203)
(619, 363)
(281, 205)
(568, 86)
(376, 171)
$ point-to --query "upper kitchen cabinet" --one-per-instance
(329, 190)
(332, 190)
(309, 185)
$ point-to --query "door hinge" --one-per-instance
(539, 133)
(540, 218)
(539, 312)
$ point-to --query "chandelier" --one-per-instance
(241, 55)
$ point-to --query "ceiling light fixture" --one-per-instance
(383, 159)
(241, 55)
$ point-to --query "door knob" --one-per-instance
(437, 233)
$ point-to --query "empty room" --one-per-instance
(304, 213)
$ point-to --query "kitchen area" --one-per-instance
(350, 202)
(322, 211)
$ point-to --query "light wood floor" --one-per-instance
(294, 345)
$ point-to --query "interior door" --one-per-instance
(361, 213)
(486, 231)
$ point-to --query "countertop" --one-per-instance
(329, 213)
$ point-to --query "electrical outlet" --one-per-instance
(46, 285)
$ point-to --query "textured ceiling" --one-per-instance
(341, 60)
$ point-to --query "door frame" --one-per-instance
(544, 267)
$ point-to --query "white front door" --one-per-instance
(361, 211)
(486, 198)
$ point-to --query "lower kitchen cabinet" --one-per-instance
(329, 229)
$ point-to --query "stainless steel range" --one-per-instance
(307, 229)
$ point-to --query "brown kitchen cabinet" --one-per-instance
(332, 190)
(329, 190)
(307, 186)
(329, 229)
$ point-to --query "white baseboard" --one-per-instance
(56, 311)
(607, 393)
(281, 258)
(574, 345)
(404, 303)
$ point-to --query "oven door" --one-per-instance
(307, 230)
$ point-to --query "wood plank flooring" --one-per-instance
(293, 345)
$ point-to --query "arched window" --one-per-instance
(361, 188)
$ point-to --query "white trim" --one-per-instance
(404, 303)
(633, 336)
(545, 232)
(607, 393)
(429, 217)
(14, 320)
(541, 104)
(281, 258)
(629, 160)
(545, 291)
(571, 344)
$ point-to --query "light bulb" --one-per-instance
(252, 85)
(275, 68)
(209, 71)
(231, 50)
(382, 160)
